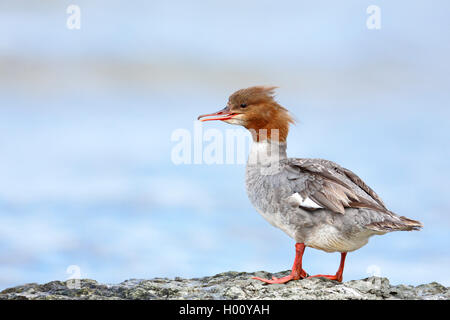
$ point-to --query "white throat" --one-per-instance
(266, 153)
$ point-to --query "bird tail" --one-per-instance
(396, 223)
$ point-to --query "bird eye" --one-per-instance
(243, 105)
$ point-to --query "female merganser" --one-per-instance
(316, 202)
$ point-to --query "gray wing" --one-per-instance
(330, 186)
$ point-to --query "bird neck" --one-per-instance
(267, 152)
(271, 130)
(272, 125)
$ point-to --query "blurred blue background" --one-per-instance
(86, 116)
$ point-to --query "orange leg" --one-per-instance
(297, 271)
(338, 275)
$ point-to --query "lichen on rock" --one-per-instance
(228, 286)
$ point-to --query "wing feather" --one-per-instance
(331, 186)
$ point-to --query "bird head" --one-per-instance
(255, 109)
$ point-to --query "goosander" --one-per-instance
(316, 202)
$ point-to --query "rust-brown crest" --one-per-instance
(260, 113)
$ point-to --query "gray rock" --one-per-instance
(228, 286)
